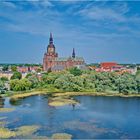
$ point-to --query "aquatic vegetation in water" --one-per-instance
(21, 131)
(15, 102)
(84, 126)
(61, 136)
(26, 130)
(5, 133)
(3, 118)
(2, 123)
(61, 101)
(6, 109)
(24, 95)
(40, 138)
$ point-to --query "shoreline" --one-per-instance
(96, 94)
(22, 95)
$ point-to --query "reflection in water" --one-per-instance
(50, 116)
(2, 102)
(73, 105)
(95, 117)
(16, 102)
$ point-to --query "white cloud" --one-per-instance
(42, 3)
(98, 13)
(44, 20)
(8, 4)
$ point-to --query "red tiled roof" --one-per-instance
(108, 64)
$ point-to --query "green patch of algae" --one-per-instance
(3, 118)
(22, 131)
(5, 133)
(2, 123)
(61, 101)
(6, 109)
(61, 136)
(26, 130)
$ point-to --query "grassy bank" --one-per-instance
(33, 92)
(24, 95)
(95, 94)
(57, 93)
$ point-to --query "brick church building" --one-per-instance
(52, 62)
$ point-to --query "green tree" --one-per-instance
(68, 82)
(5, 68)
(75, 71)
(39, 70)
(126, 83)
(1, 84)
(138, 80)
(49, 78)
(14, 68)
(16, 75)
(4, 79)
(20, 85)
(34, 81)
(28, 75)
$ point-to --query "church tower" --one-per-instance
(73, 53)
(50, 55)
(51, 47)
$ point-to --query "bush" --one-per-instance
(75, 71)
(20, 85)
(4, 79)
(68, 82)
(16, 75)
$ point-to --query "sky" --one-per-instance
(100, 31)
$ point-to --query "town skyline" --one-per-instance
(99, 31)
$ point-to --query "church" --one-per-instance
(51, 61)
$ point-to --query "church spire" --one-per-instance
(51, 39)
(73, 53)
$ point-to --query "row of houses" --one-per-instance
(114, 67)
(22, 69)
(102, 67)
(26, 69)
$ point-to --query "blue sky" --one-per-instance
(98, 30)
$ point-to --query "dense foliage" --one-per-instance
(5, 68)
(3, 87)
(77, 80)
(75, 71)
(14, 68)
(16, 75)
(20, 85)
(92, 81)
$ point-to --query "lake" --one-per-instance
(95, 117)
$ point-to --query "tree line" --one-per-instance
(78, 80)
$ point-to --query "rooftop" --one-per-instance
(67, 58)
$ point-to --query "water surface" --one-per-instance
(95, 117)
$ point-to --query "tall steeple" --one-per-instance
(73, 53)
(51, 39)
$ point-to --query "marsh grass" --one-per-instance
(3, 118)
(6, 109)
(59, 101)
(84, 126)
(63, 94)
(26, 130)
(5, 133)
(24, 95)
(22, 131)
(2, 123)
(61, 136)
(55, 93)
